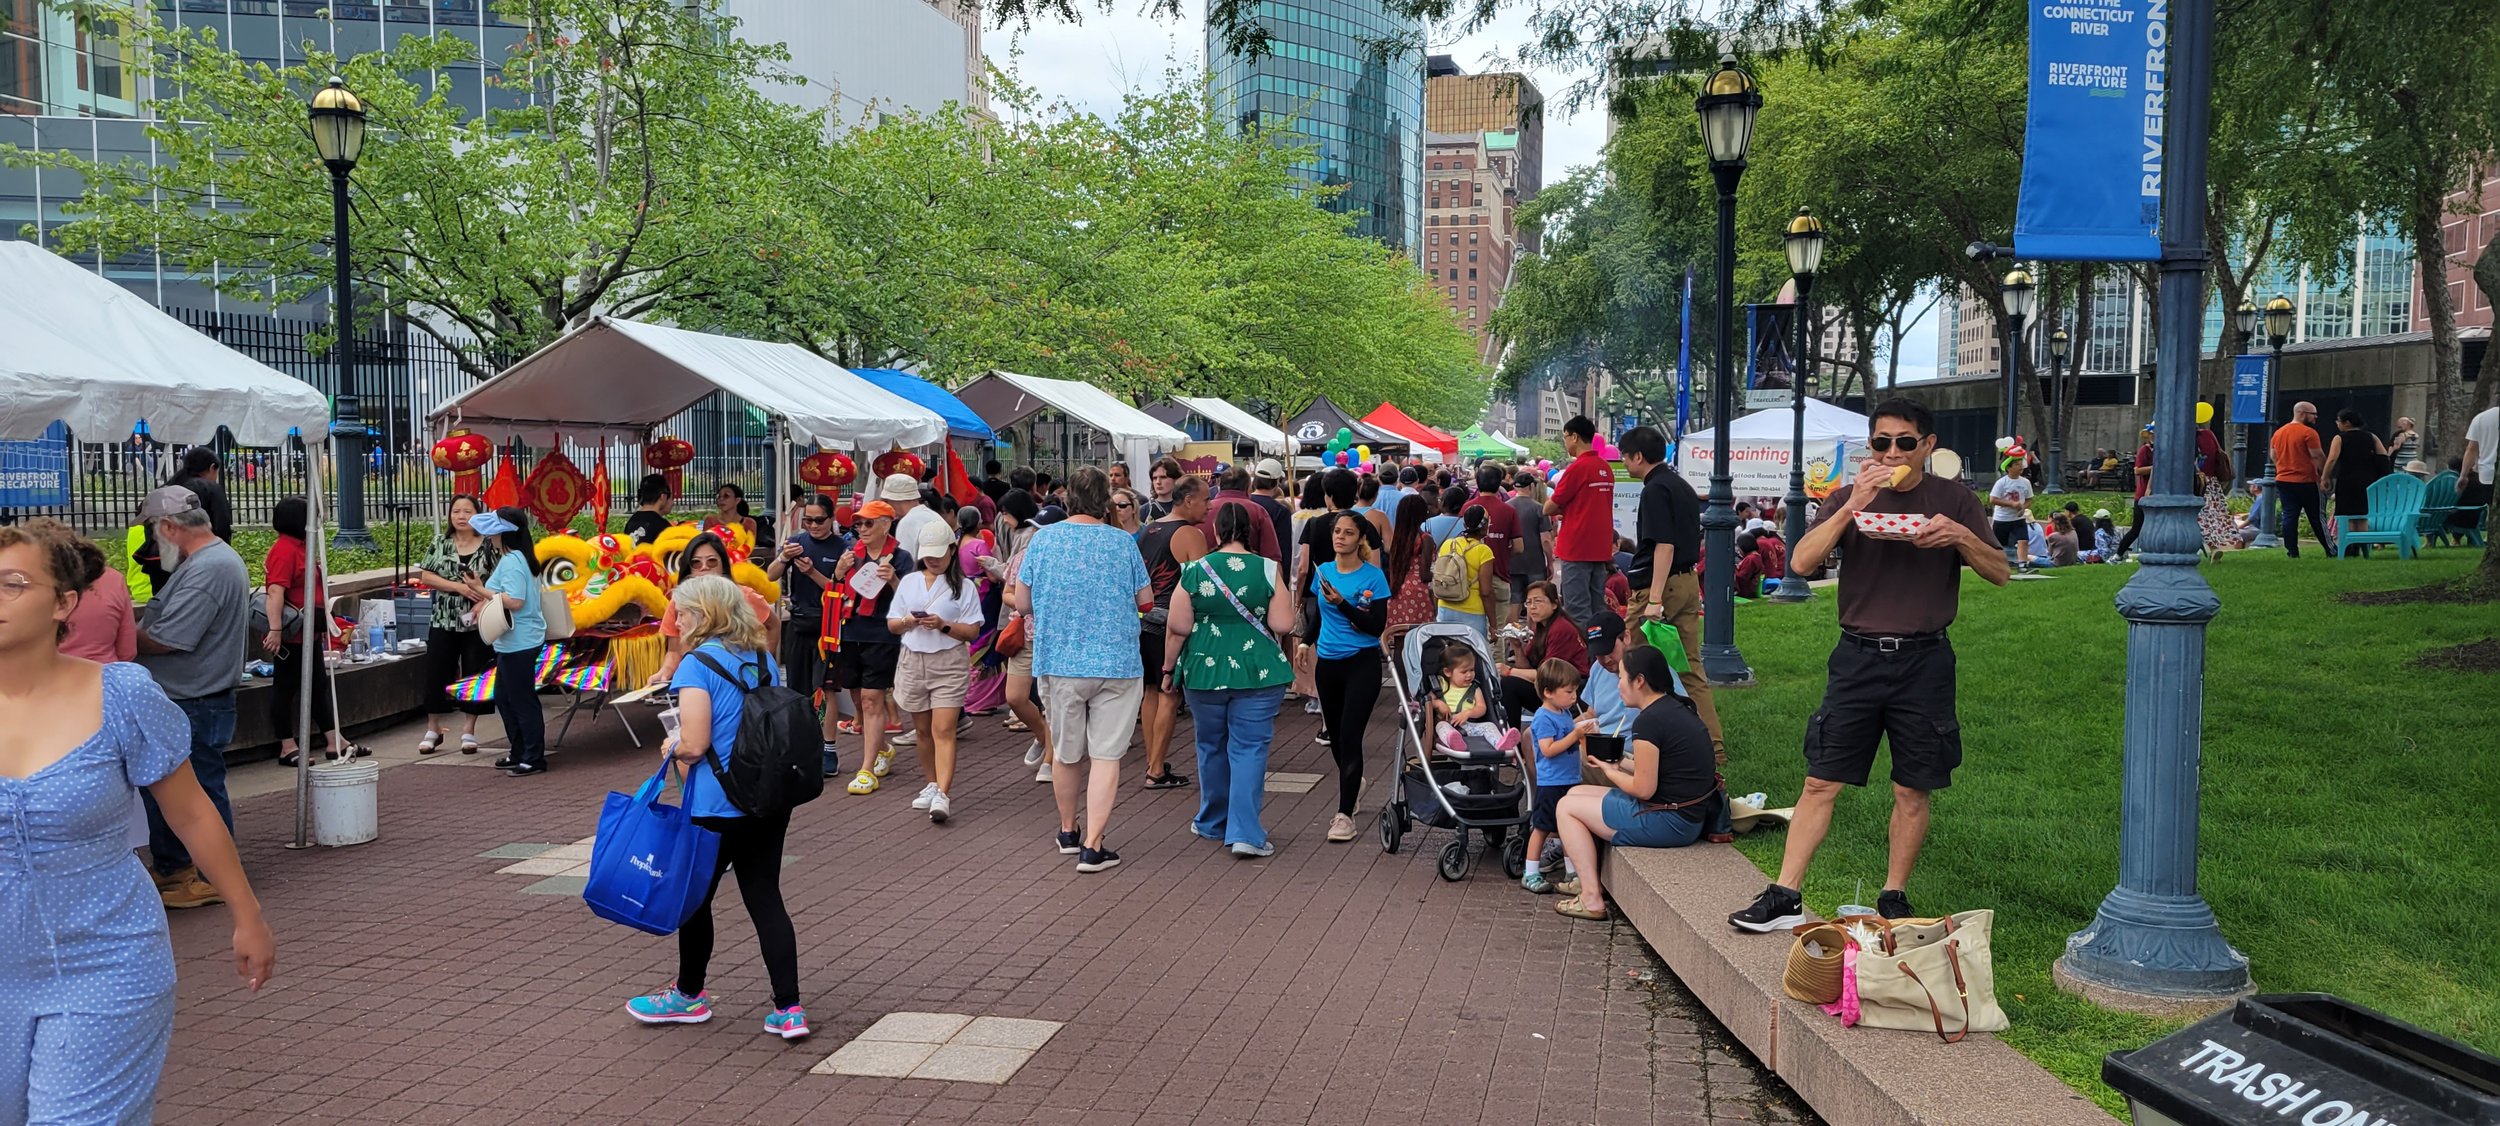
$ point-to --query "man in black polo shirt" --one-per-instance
(1892, 673)
(1664, 587)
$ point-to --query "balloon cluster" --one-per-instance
(1342, 451)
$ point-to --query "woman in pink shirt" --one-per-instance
(101, 628)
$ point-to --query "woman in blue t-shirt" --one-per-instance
(1354, 609)
(514, 582)
(719, 629)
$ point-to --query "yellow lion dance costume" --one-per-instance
(619, 590)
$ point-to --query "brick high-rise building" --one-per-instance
(1458, 102)
(1469, 237)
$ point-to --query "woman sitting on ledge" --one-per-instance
(1665, 793)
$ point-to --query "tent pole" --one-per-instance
(313, 610)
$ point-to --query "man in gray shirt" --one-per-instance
(1529, 548)
(191, 641)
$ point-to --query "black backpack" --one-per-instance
(777, 762)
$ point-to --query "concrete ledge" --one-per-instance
(1679, 900)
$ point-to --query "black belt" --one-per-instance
(1894, 644)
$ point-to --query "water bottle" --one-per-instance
(390, 636)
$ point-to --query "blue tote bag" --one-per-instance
(651, 864)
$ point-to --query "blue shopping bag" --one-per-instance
(651, 864)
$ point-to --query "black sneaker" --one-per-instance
(504, 763)
(1552, 856)
(1894, 905)
(525, 769)
(1776, 908)
(1168, 780)
(1070, 844)
(1096, 860)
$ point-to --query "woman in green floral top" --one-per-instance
(1228, 609)
(455, 570)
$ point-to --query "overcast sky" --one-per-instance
(1094, 63)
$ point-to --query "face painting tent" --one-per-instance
(92, 355)
(1758, 450)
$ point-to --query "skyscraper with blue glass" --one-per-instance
(1346, 79)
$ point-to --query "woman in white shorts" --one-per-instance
(936, 611)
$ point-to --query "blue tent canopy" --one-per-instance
(960, 421)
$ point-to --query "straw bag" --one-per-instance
(1814, 964)
(1934, 976)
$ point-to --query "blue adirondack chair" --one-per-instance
(2439, 498)
(2395, 518)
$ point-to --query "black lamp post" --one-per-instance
(1804, 243)
(2278, 333)
(1727, 107)
(2058, 343)
(338, 129)
(2243, 318)
(2019, 294)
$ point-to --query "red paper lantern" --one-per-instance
(900, 461)
(828, 469)
(670, 456)
(464, 453)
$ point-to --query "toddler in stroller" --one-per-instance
(1460, 707)
(1475, 782)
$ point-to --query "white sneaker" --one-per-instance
(928, 794)
(1033, 753)
(907, 737)
(939, 808)
(1043, 775)
(1310, 705)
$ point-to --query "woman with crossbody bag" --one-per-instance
(1222, 649)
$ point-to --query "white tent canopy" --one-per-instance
(1758, 448)
(615, 378)
(1271, 441)
(1497, 436)
(1137, 435)
(80, 350)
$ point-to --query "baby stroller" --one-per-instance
(1482, 788)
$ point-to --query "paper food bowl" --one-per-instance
(1891, 525)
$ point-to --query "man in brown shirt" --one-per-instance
(1892, 673)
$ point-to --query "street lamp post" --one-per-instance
(2155, 944)
(2019, 294)
(338, 129)
(2278, 332)
(1804, 243)
(2243, 318)
(1728, 103)
(2058, 343)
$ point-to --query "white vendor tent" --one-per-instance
(80, 350)
(77, 349)
(615, 378)
(1004, 398)
(1271, 441)
(1758, 449)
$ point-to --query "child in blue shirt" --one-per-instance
(1557, 736)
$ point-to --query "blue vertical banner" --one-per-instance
(2252, 387)
(35, 474)
(1684, 363)
(2092, 141)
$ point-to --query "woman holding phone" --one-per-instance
(1662, 792)
(1353, 610)
(935, 613)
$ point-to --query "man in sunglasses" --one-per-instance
(1892, 675)
(803, 566)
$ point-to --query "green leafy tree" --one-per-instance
(647, 144)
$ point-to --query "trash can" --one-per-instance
(2307, 1059)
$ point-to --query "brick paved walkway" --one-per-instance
(1330, 984)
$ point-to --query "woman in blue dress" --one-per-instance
(87, 976)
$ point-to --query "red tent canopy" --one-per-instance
(1388, 417)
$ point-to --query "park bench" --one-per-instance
(2394, 518)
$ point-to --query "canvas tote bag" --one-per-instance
(1935, 977)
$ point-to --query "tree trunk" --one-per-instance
(2078, 349)
(2487, 279)
(2452, 402)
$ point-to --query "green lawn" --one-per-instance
(2349, 839)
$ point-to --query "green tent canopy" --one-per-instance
(1475, 443)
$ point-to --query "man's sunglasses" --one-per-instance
(1886, 443)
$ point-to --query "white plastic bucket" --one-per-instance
(346, 802)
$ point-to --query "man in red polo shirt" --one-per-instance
(1583, 506)
(1501, 526)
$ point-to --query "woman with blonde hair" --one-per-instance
(728, 653)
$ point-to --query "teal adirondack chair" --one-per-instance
(2395, 518)
(2439, 498)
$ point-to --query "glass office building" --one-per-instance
(1347, 78)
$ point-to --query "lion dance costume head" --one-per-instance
(619, 590)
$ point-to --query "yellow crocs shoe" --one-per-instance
(864, 783)
(881, 766)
